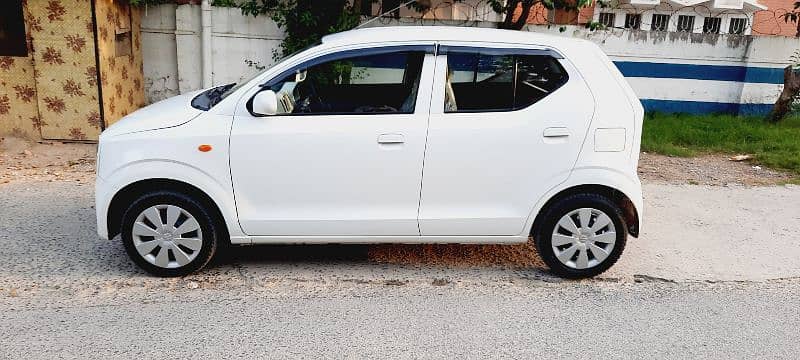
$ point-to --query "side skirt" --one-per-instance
(244, 240)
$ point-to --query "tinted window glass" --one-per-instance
(383, 83)
(479, 82)
(537, 77)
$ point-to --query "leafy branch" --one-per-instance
(794, 16)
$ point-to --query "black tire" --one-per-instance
(543, 233)
(209, 226)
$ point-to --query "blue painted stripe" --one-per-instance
(704, 107)
(701, 72)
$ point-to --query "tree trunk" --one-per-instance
(791, 89)
(511, 6)
(795, 35)
(523, 17)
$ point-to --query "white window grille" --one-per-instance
(711, 25)
(659, 22)
(737, 26)
(606, 19)
(685, 23)
(633, 21)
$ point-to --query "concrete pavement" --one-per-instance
(715, 275)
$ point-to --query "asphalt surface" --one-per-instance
(591, 321)
(714, 275)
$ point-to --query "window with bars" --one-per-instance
(711, 25)
(659, 22)
(606, 19)
(633, 21)
(737, 26)
(685, 23)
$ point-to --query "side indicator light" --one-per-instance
(204, 148)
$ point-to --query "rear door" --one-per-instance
(506, 125)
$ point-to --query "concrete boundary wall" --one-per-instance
(695, 73)
(171, 37)
(670, 72)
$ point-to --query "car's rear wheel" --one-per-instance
(168, 233)
(581, 235)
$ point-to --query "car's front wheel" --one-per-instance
(168, 233)
(581, 235)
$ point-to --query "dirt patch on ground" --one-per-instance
(22, 160)
(713, 169)
(453, 255)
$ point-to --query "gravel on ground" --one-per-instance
(32, 174)
(714, 275)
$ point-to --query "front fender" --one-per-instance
(219, 191)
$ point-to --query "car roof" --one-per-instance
(447, 33)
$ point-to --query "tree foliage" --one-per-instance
(790, 95)
(305, 22)
(794, 16)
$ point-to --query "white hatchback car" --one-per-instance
(386, 135)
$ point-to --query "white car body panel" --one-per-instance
(306, 182)
(127, 158)
(457, 178)
(485, 170)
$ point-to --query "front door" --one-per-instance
(343, 157)
(506, 126)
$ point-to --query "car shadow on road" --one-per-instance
(292, 254)
(439, 257)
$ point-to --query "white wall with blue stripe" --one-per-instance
(696, 73)
(669, 71)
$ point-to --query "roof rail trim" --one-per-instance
(491, 50)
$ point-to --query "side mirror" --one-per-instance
(265, 103)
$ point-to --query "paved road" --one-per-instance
(714, 275)
(526, 320)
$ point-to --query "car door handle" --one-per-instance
(391, 139)
(556, 132)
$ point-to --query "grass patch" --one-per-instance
(774, 145)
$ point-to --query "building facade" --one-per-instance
(68, 68)
(692, 16)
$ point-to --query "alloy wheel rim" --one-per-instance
(167, 236)
(584, 238)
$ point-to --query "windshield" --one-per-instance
(207, 99)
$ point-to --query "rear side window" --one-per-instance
(489, 82)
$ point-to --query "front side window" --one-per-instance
(381, 83)
(487, 82)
